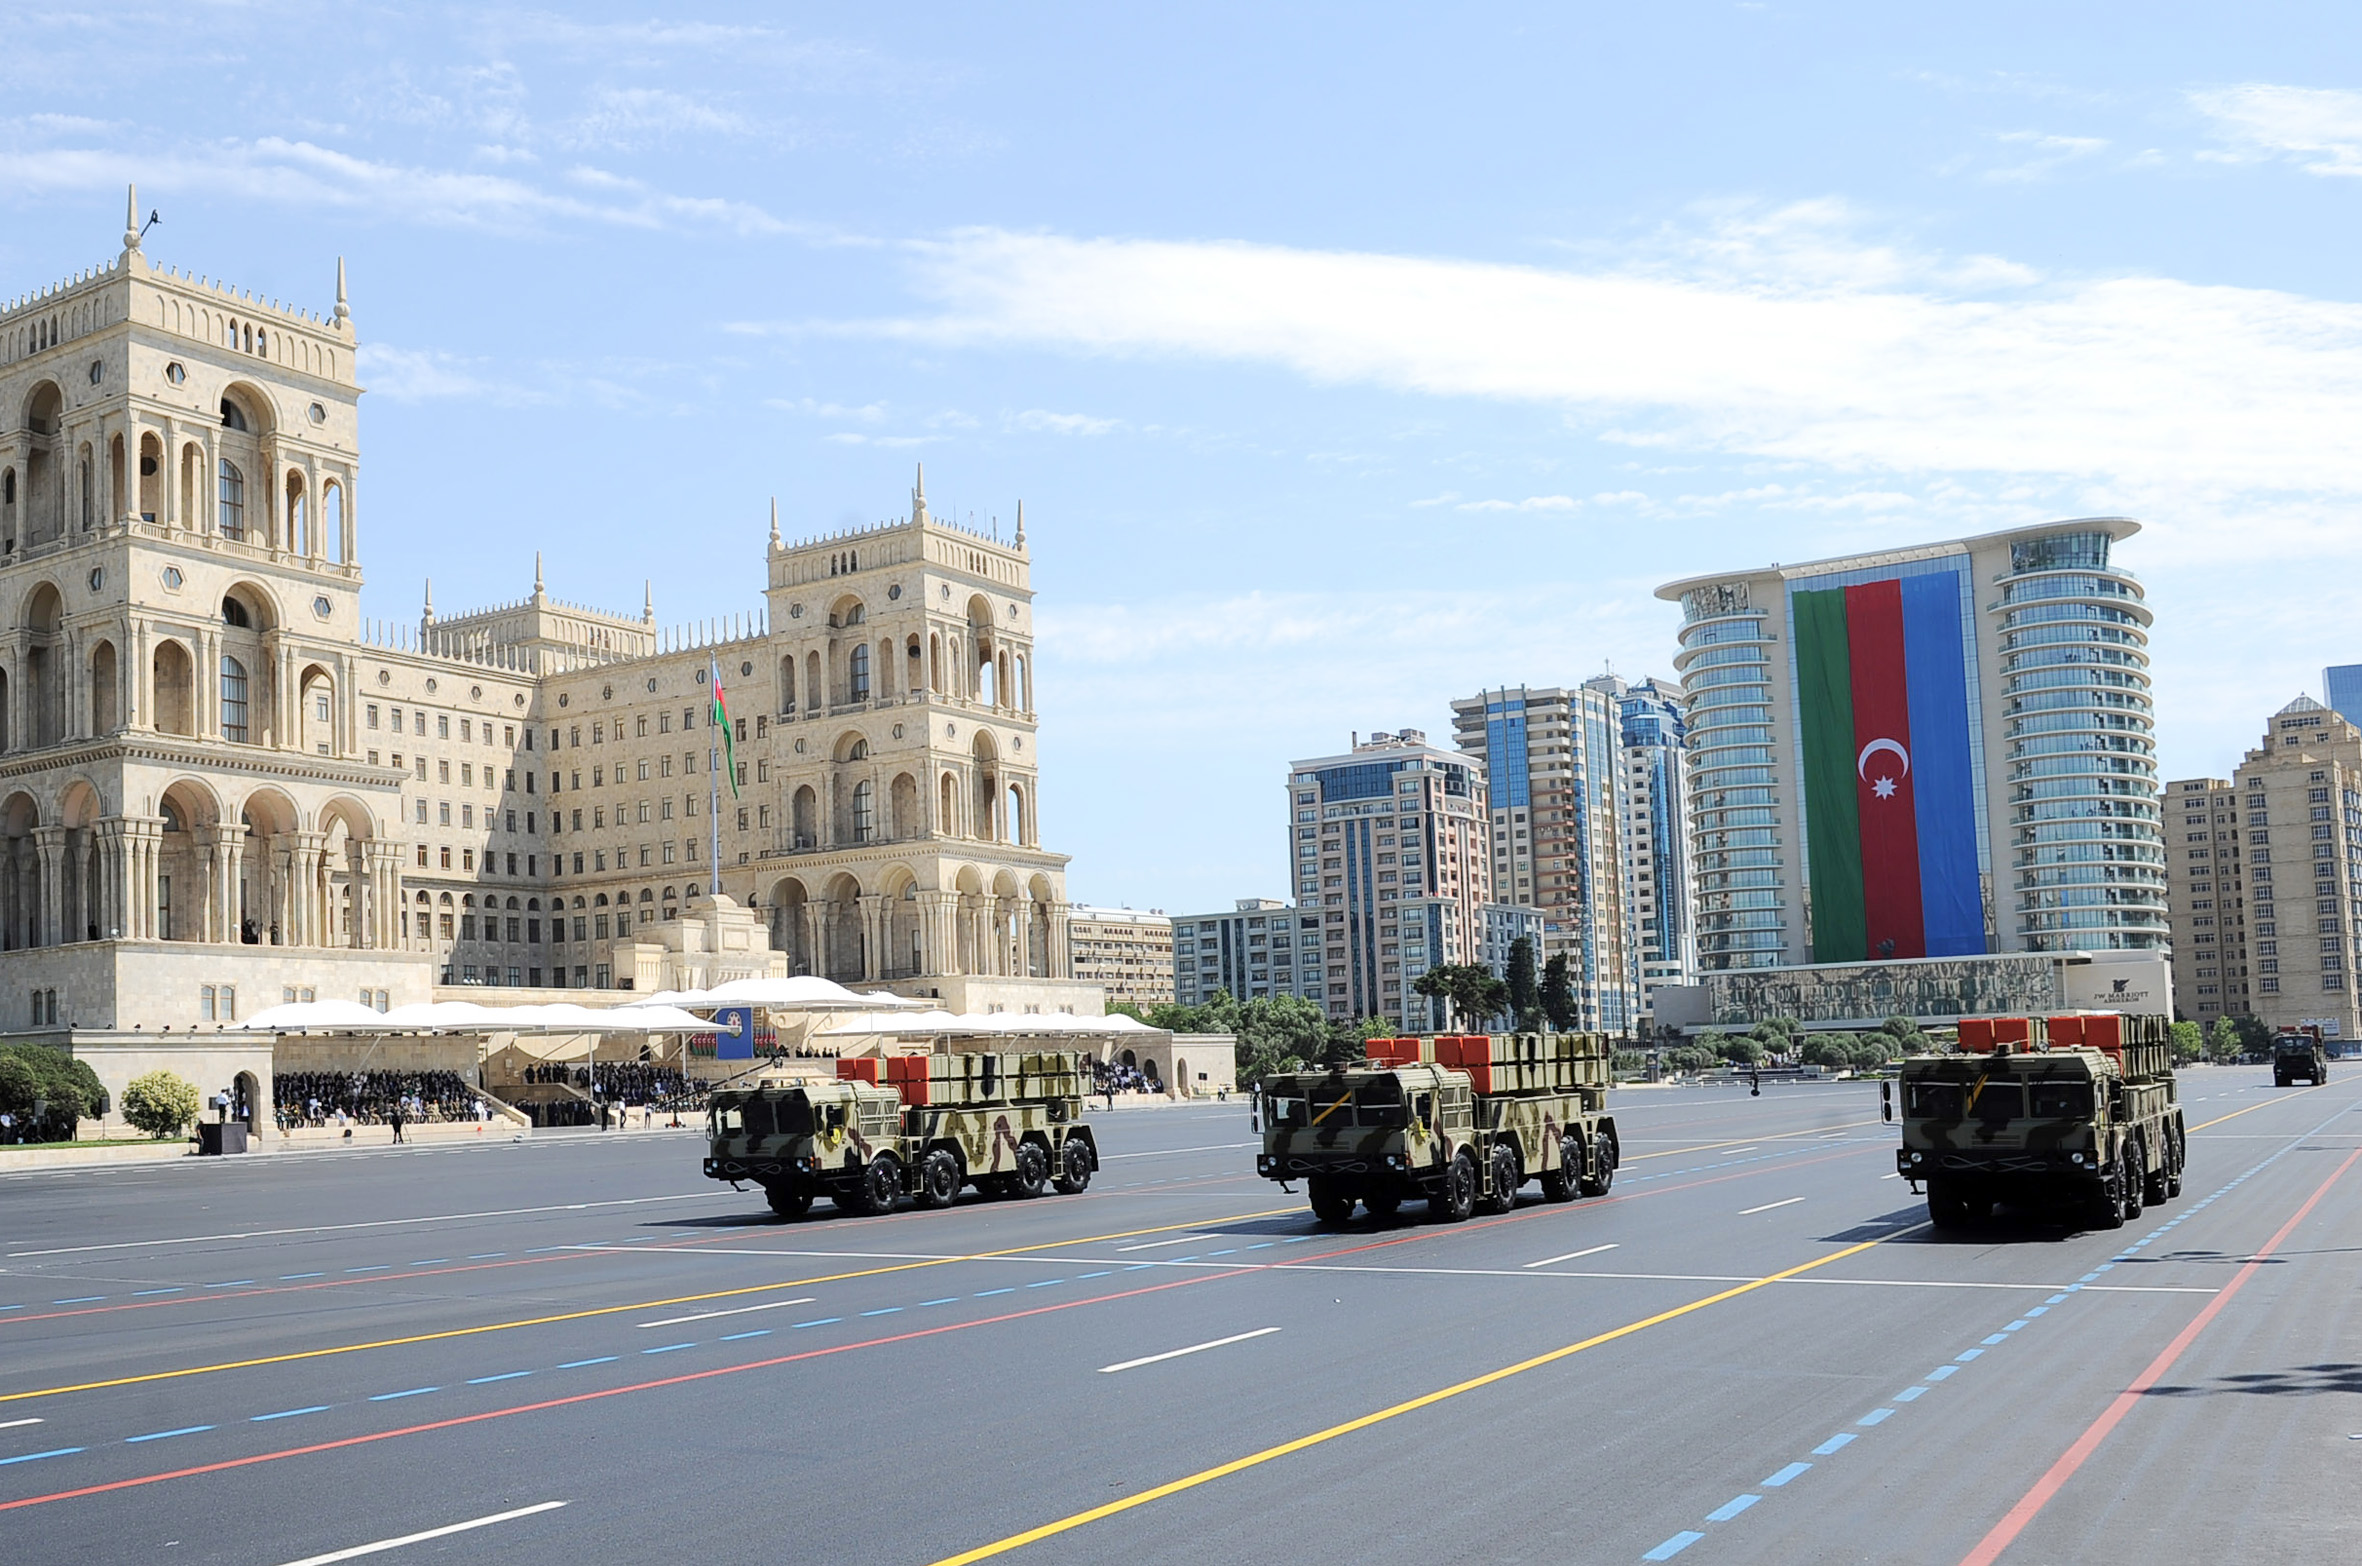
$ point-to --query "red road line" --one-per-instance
(2006, 1531)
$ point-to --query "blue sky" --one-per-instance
(1347, 358)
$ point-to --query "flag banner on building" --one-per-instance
(721, 716)
(734, 1033)
(1882, 694)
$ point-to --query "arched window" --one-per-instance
(233, 700)
(858, 673)
(233, 417)
(234, 613)
(864, 813)
(232, 517)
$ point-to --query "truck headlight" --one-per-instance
(2074, 1158)
(1918, 1157)
(1394, 1160)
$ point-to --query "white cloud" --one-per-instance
(2320, 126)
(1530, 503)
(1860, 360)
(308, 176)
(2041, 155)
(1039, 421)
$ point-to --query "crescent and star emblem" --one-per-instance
(1884, 788)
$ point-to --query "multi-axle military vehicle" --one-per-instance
(1006, 1124)
(1455, 1120)
(2075, 1111)
(2299, 1052)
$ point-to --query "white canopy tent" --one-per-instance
(338, 1016)
(797, 994)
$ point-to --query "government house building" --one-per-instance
(221, 787)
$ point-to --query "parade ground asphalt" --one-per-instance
(576, 1350)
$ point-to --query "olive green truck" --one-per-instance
(1007, 1124)
(1454, 1120)
(2080, 1112)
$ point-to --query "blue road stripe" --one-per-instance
(1139, 1266)
(668, 1348)
(2018, 1325)
(388, 1397)
(1266, 1245)
(989, 1293)
(288, 1413)
(1909, 1395)
(1732, 1507)
(1045, 1283)
(1792, 1471)
(373, 1267)
(1233, 1251)
(166, 1435)
(1942, 1373)
(290, 1277)
(431, 1261)
(577, 1364)
(1998, 1337)
(1831, 1445)
(1081, 1276)
(34, 1457)
(733, 1337)
(85, 1299)
(1876, 1416)
(825, 1321)
(2038, 1310)
(891, 1310)
(234, 1283)
(953, 1300)
(1965, 1357)
(141, 1294)
(2056, 1299)
(1673, 1546)
(506, 1375)
(487, 1256)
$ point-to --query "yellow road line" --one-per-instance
(611, 1310)
(1017, 1541)
(1742, 1141)
(2236, 1113)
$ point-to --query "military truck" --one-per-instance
(1004, 1123)
(2299, 1052)
(2079, 1111)
(1455, 1120)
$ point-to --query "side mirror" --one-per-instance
(1886, 1099)
(1255, 1111)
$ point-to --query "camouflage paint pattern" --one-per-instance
(2034, 1123)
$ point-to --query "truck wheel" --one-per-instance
(1603, 1164)
(2133, 1178)
(787, 1202)
(1382, 1204)
(1457, 1199)
(939, 1179)
(2105, 1208)
(1033, 1171)
(1950, 1206)
(881, 1186)
(1330, 1204)
(1074, 1167)
(1507, 1177)
(2176, 1152)
(1558, 1185)
(2154, 1192)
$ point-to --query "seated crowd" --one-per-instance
(318, 1098)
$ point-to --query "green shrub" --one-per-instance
(161, 1103)
(63, 1090)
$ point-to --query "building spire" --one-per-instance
(1020, 524)
(648, 600)
(430, 600)
(131, 217)
(538, 589)
(344, 314)
(918, 496)
(775, 523)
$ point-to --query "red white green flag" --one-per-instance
(721, 716)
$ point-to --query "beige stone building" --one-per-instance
(2205, 900)
(221, 788)
(1129, 955)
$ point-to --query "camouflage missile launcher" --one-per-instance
(2080, 1111)
(1455, 1120)
(1006, 1123)
(2299, 1052)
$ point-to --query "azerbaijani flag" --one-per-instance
(721, 715)
(1882, 688)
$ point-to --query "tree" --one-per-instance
(1279, 1034)
(1473, 990)
(1743, 1050)
(2188, 1041)
(2222, 1043)
(63, 1089)
(1558, 992)
(1525, 991)
(160, 1103)
(1909, 1040)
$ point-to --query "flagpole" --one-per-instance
(713, 784)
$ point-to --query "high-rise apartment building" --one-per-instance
(1939, 750)
(1653, 828)
(1553, 757)
(2299, 808)
(2206, 906)
(2341, 690)
(1389, 846)
(1126, 953)
(1256, 949)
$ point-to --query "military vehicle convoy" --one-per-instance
(1455, 1120)
(1005, 1123)
(2077, 1110)
(2299, 1052)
